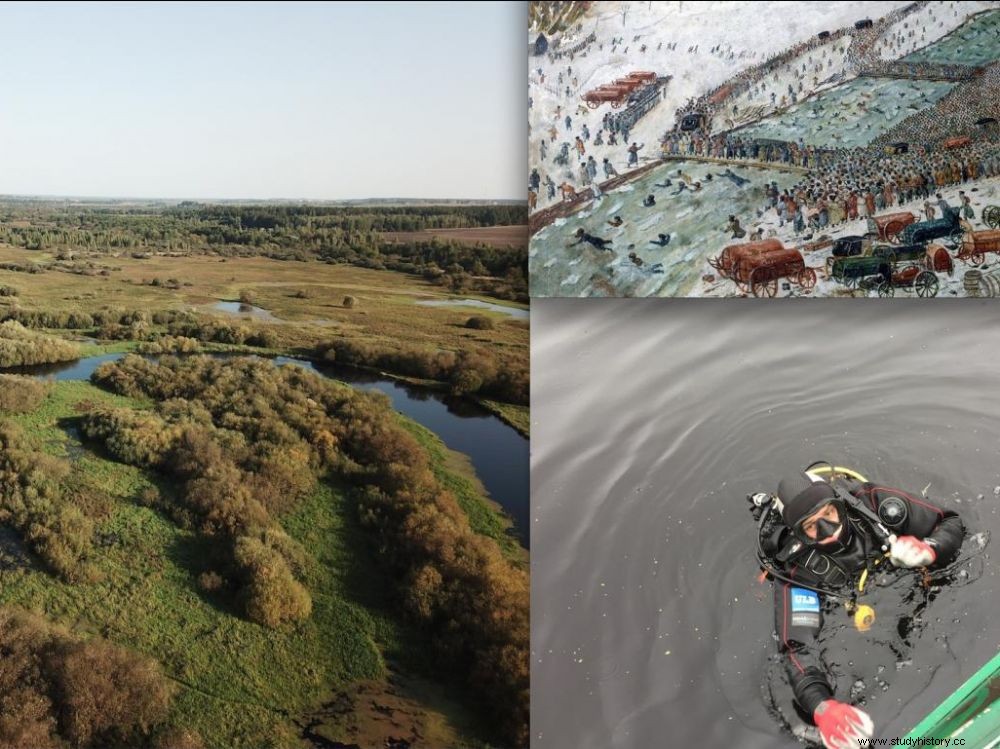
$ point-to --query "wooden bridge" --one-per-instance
(921, 71)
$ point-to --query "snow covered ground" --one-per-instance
(701, 45)
(745, 34)
(983, 193)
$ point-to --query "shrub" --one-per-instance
(246, 297)
(58, 690)
(271, 594)
(478, 322)
(21, 394)
(32, 501)
(20, 347)
(350, 302)
(169, 344)
(210, 581)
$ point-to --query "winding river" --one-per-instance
(497, 452)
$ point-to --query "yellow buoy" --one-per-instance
(864, 617)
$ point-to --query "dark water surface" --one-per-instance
(498, 453)
(651, 422)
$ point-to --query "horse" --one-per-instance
(568, 191)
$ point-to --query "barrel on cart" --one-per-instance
(888, 226)
(975, 245)
(760, 273)
(730, 256)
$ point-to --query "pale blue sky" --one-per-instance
(264, 100)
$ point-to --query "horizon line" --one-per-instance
(96, 198)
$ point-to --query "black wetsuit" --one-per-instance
(798, 610)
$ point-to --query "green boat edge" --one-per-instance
(971, 713)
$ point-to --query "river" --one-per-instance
(652, 420)
(694, 221)
(497, 452)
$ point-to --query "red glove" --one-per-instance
(842, 726)
(910, 551)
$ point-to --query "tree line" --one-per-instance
(354, 235)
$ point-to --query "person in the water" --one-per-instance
(649, 201)
(582, 236)
(824, 539)
(616, 222)
(734, 178)
(663, 240)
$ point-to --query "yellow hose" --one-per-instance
(834, 471)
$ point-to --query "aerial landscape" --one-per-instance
(836, 150)
(264, 464)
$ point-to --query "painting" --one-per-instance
(773, 149)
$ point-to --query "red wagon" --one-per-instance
(889, 225)
(613, 95)
(730, 256)
(975, 245)
(939, 260)
(641, 76)
(760, 273)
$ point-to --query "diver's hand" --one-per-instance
(910, 551)
(841, 725)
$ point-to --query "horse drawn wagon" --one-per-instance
(946, 227)
(860, 271)
(849, 246)
(912, 268)
(912, 278)
(888, 226)
(756, 267)
(612, 93)
(975, 245)
(759, 273)
(730, 256)
(617, 93)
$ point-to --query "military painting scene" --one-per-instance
(707, 149)
(263, 381)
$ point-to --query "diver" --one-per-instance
(818, 540)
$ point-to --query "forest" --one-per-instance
(353, 235)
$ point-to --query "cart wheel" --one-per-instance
(886, 289)
(991, 216)
(926, 284)
(806, 278)
(762, 286)
(593, 104)
(977, 258)
(851, 282)
(616, 105)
